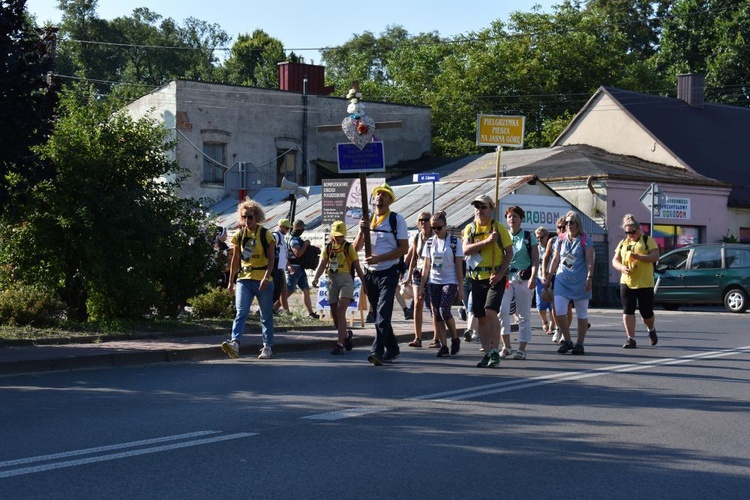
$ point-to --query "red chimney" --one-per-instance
(292, 76)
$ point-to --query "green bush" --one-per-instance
(215, 303)
(22, 305)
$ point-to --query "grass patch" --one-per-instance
(146, 328)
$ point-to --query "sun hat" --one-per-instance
(484, 199)
(387, 189)
(338, 228)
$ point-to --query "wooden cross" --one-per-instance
(362, 177)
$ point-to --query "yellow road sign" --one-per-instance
(500, 130)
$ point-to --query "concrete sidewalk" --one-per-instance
(16, 359)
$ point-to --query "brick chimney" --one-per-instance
(690, 89)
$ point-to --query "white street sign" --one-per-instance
(653, 198)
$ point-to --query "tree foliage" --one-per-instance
(253, 61)
(143, 48)
(26, 102)
(106, 232)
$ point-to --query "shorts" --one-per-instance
(484, 296)
(299, 278)
(340, 285)
(644, 297)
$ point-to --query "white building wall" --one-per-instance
(607, 126)
(256, 123)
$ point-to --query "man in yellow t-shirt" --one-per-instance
(634, 258)
(489, 250)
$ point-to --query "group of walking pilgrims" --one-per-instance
(494, 271)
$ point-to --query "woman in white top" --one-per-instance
(443, 255)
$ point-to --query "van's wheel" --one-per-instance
(735, 300)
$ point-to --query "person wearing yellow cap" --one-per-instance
(389, 238)
(340, 261)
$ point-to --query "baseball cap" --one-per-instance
(484, 199)
(338, 228)
(285, 223)
(385, 188)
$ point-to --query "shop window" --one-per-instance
(669, 237)
(214, 160)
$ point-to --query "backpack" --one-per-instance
(526, 273)
(311, 258)
(473, 231)
(329, 246)
(277, 251)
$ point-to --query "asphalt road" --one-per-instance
(666, 421)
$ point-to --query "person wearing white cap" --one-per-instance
(389, 237)
(490, 250)
(340, 261)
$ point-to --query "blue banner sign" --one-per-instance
(353, 160)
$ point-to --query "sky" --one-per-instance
(305, 26)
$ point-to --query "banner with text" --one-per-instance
(342, 199)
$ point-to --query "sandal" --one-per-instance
(415, 343)
(545, 327)
(435, 344)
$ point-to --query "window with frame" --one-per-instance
(706, 258)
(214, 156)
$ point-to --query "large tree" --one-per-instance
(114, 239)
(711, 38)
(26, 101)
(143, 48)
(253, 60)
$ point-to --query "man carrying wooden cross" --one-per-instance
(389, 237)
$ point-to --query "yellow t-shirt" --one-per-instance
(482, 232)
(253, 260)
(340, 259)
(641, 273)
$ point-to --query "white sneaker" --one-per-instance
(519, 355)
(474, 336)
(557, 336)
(232, 348)
(505, 353)
(266, 353)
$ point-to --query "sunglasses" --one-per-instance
(437, 228)
(561, 227)
(481, 207)
(248, 217)
(630, 232)
(570, 222)
(424, 220)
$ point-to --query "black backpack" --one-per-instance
(311, 258)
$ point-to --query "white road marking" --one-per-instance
(513, 385)
(348, 413)
(115, 456)
(88, 451)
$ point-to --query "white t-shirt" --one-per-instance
(383, 241)
(443, 260)
(283, 250)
